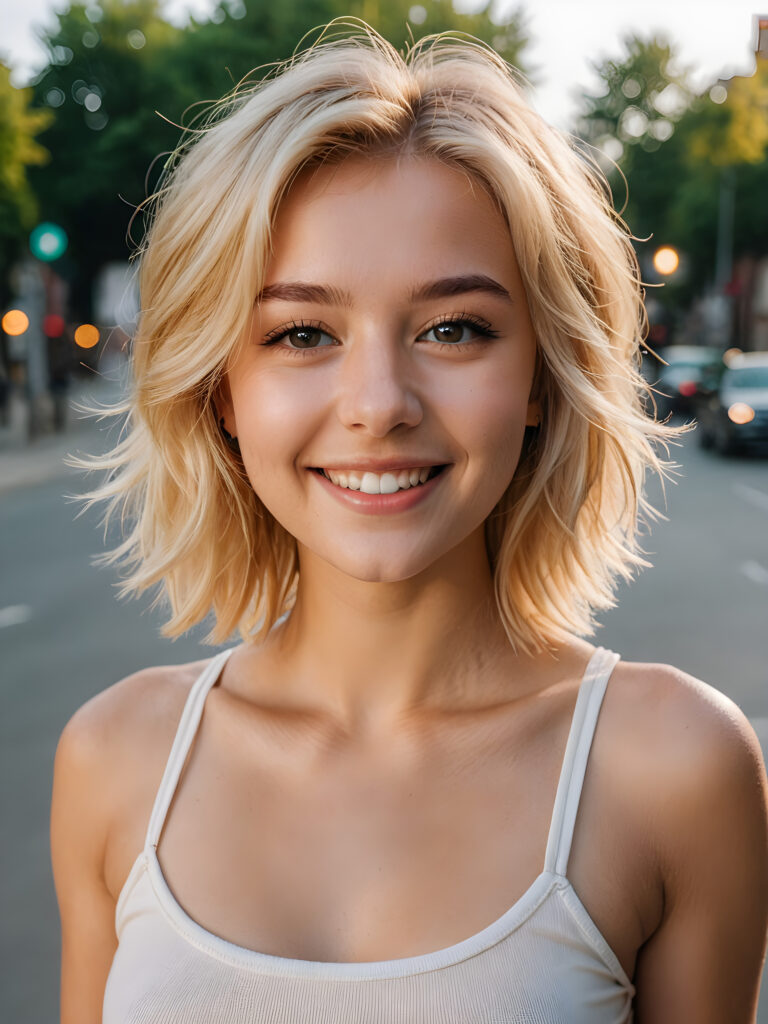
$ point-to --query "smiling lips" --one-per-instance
(391, 489)
(389, 482)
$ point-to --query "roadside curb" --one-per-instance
(41, 461)
(25, 463)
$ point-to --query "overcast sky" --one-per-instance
(714, 37)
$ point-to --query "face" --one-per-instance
(381, 399)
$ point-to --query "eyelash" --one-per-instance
(458, 320)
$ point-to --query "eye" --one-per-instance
(453, 333)
(300, 336)
(461, 330)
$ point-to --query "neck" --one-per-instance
(371, 654)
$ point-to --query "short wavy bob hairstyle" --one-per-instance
(566, 528)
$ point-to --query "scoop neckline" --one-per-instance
(549, 880)
(267, 963)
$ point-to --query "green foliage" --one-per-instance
(643, 96)
(105, 73)
(18, 152)
(240, 37)
(120, 81)
(674, 183)
(735, 131)
(397, 21)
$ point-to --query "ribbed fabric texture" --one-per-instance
(542, 962)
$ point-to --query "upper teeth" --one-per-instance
(378, 483)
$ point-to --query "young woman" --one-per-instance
(387, 421)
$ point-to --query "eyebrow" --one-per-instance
(445, 287)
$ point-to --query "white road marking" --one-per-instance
(752, 495)
(13, 614)
(755, 572)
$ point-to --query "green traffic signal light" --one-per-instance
(48, 241)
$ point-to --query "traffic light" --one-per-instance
(48, 241)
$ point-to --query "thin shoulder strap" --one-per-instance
(188, 723)
(588, 703)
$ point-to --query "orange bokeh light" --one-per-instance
(15, 322)
(666, 260)
(86, 336)
(741, 413)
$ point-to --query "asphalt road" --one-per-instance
(64, 636)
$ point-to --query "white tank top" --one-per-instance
(542, 962)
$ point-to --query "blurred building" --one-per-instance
(116, 310)
(749, 291)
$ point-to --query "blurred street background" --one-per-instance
(92, 101)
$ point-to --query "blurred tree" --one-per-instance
(733, 128)
(240, 36)
(633, 123)
(726, 173)
(506, 33)
(18, 152)
(120, 81)
(104, 75)
(643, 95)
(671, 146)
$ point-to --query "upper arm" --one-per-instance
(79, 823)
(99, 784)
(703, 963)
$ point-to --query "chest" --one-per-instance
(381, 858)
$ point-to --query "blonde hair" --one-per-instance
(565, 529)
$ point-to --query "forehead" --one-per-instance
(409, 215)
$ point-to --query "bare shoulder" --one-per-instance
(142, 705)
(682, 746)
(681, 760)
(136, 700)
(695, 769)
(116, 736)
(691, 766)
(109, 753)
(692, 730)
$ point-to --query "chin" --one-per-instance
(382, 568)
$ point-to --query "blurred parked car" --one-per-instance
(691, 371)
(735, 415)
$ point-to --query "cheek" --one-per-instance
(274, 421)
(502, 445)
(490, 414)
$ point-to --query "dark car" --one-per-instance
(735, 415)
(690, 372)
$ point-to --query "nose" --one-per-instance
(377, 388)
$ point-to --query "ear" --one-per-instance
(222, 402)
(533, 415)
